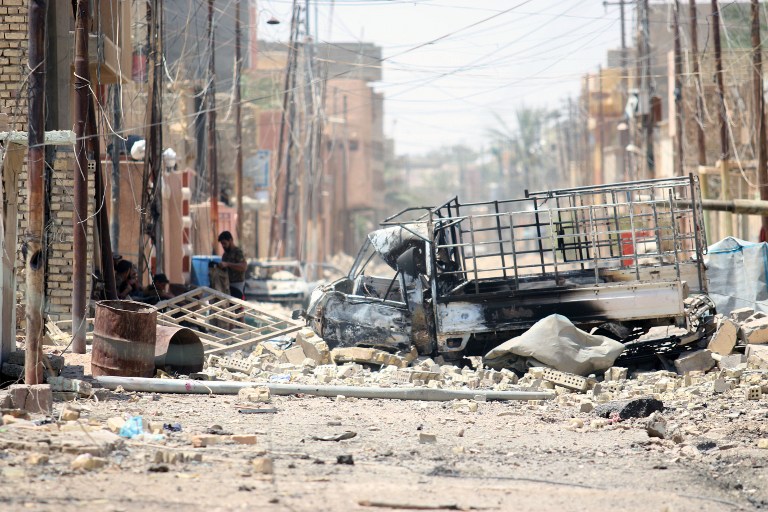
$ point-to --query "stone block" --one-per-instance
(731, 361)
(294, 355)
(757, 356)
(741, 314)
(725, 338)
(756, 331)
(615, 373)
(243, 438)
(699, 360)
(426, 438)
(88, 462)
(256, 395)
(64, 385)
(263, 465)
(313, 346)
(35, 399)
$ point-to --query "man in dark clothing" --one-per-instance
(233, 260)
(158, 289)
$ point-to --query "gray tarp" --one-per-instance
(737, 275)
(555, 342)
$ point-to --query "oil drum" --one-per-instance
(124, 339)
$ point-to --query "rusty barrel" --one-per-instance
(124, 339)
(178, 350)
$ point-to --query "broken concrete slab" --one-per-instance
(313, 346)
(699, 360)
(294, 355)
(64, 385)
(255, 394)
(567, 380)
(725, 338)
(366, 356)
(731, 361)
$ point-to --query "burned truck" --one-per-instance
(461, 278)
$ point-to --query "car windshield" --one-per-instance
(278, 272)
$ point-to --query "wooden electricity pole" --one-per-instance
(724, 145)
(700, 138)
(679, 127)
(238, 128)
(757, 88)
(213, 174)
(80, 193)
(34, 253)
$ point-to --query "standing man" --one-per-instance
(234, 261)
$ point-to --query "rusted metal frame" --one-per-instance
(80, 191)
(461, 243)
(631, 207)
(501, 239)
(656, 227)
(616, 221)
(553, 235)
(33, 243)
(474, 253)
(510, 215)
(674, 233)
(259, 339)
(696, 229)
(594, 248)
(621, 187)
(576, 222)
(456, 254)
(204, 293)
(538, 233)
(218, 313)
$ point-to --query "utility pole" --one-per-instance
(600, 178)
(80, 193)
(646, 90)
(700, 138)
(623, 134)
(117, 143)
(213, 174)
(757, 87)
(724, 145)
(34, 253)
(679, 126)
(154, 149)
(238, 128)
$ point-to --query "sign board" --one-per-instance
(257, 168)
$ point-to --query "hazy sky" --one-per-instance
(448, 68)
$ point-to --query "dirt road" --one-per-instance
(504, 456)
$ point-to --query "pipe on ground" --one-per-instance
(232, 388)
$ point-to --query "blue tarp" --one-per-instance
(737, 272)
(199, 275)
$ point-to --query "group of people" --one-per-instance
(128, 286)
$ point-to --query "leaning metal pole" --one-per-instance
(33, 244)
(80, 220)
(238, 129)
(213, 173)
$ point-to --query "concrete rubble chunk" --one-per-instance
(732, 361)
(741, 314)
(616, 373)
(70, 415)
(88, 462)
(725, 338)
(699, 360)
(756, 330)
(255, 394)
(64, 385)
(313, 346)
(37, 459)
(757, 356)
(566, 380)
(36, 398)
(366, 356)
(426, 438)
(262, 465)
(637, 408)
(656, 426)
(294, 355)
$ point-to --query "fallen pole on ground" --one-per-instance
(232, 388)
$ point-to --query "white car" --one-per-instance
(283, 281)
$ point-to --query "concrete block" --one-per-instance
(753, 393)
(70, 415)
(741, 314)
(725, 338)
(616, 373)
(699, 360)
(567, 380)
(757, 356)
(243, 438)
(88, 462)
(35, 399)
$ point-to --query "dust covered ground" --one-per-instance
(502, 456)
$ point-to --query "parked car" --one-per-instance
(284, 281)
